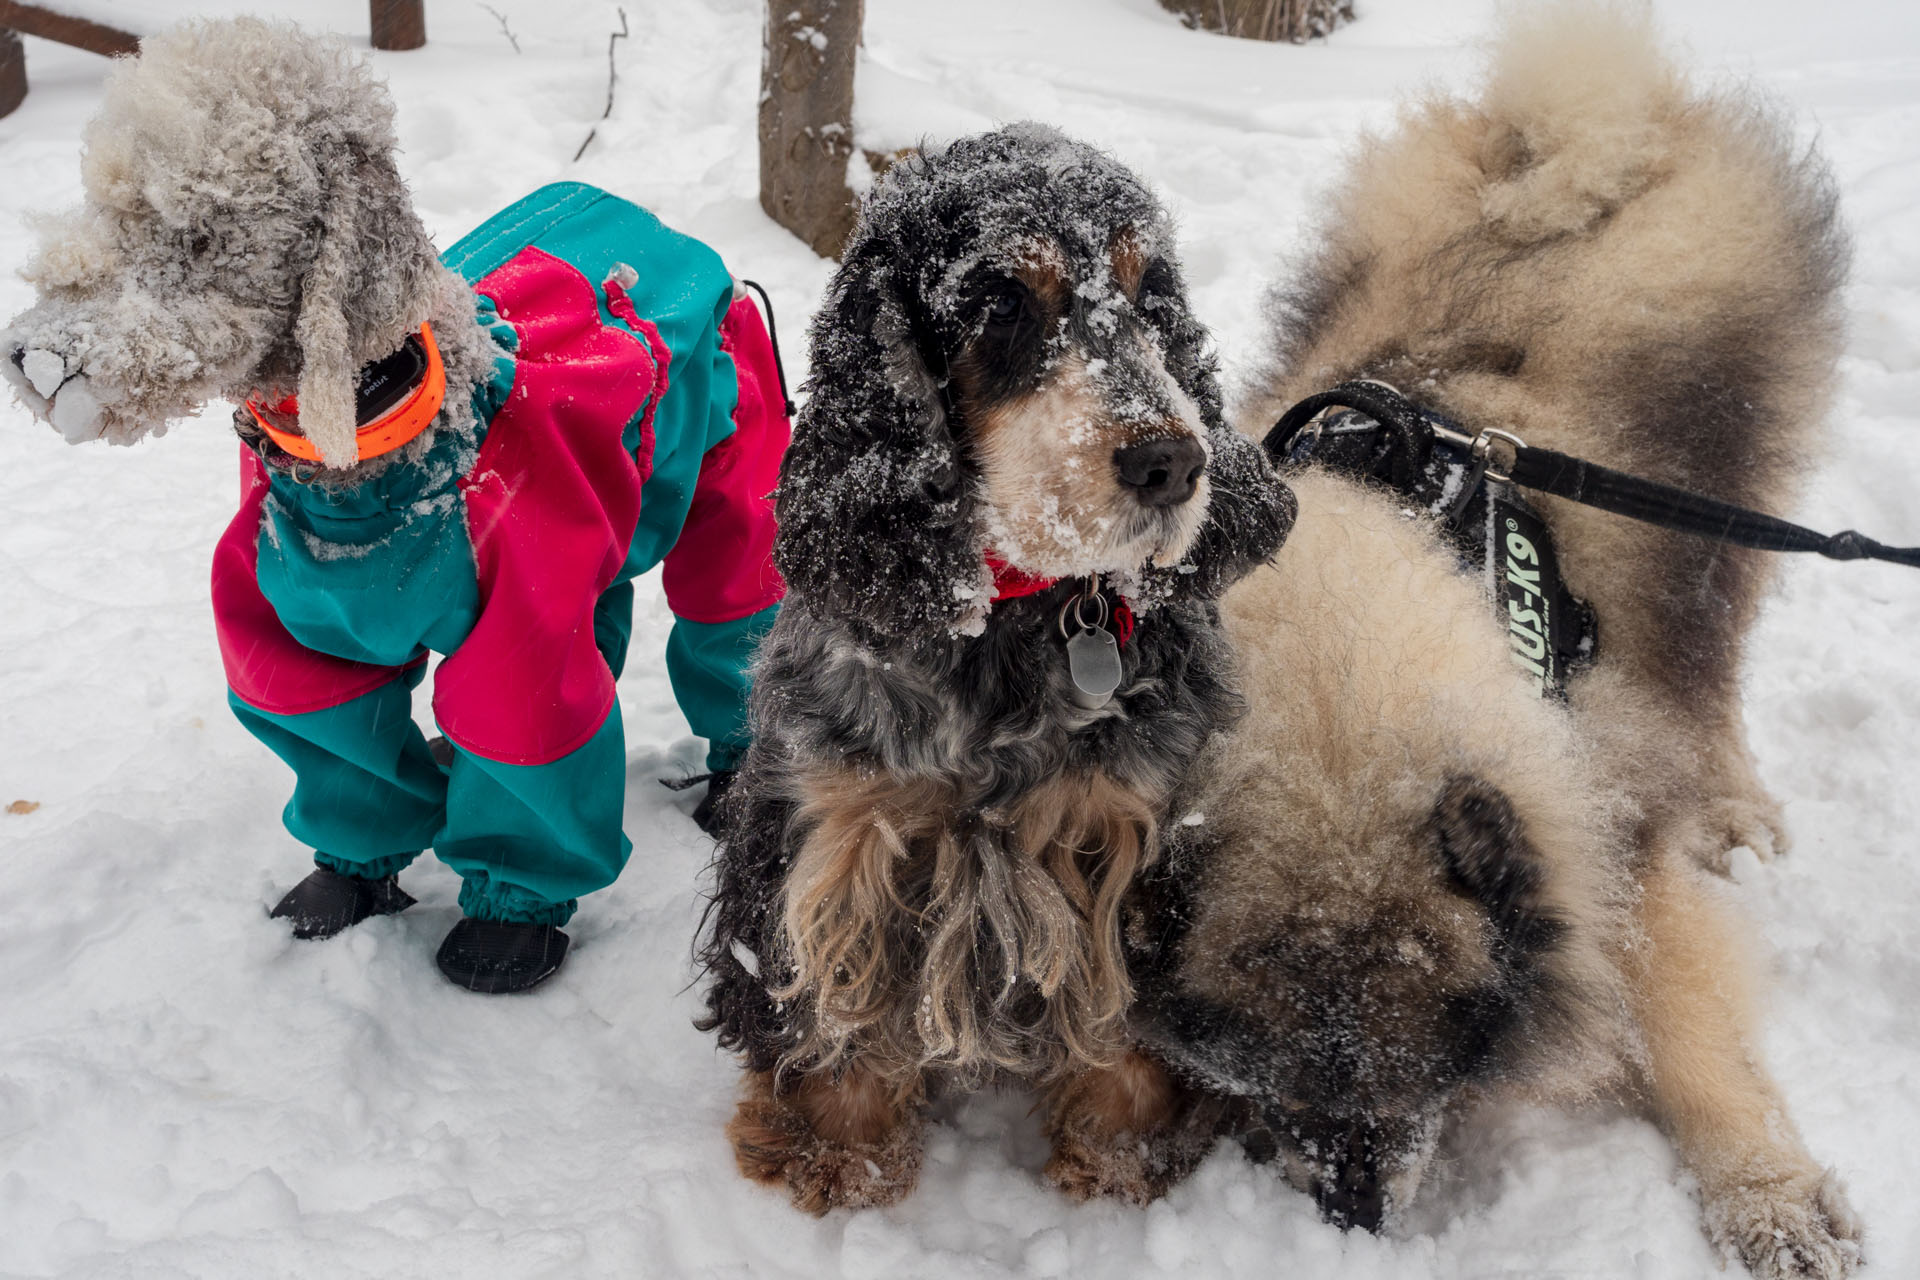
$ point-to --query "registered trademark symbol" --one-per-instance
(1513, 526)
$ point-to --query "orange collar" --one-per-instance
(385, 433)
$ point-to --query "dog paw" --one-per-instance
(767, 1135)
(1735, 822)
(1085, 1169)
(830, 1175)
(773, 1143)
(1799, 1228)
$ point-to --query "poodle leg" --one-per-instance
(1109, 1127)
(1764, 1197)
(850, 1140)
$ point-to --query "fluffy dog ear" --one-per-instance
(369, 286)
(1484, 846)
(327, 369)
(876, 520)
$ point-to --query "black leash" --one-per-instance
(1654, 503)
(773, 336)
(1412, 431)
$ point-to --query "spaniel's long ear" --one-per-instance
(1250, 510)
(876, 517)
(368, 287)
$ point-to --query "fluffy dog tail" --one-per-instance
(1576, 119)
(1588, 230)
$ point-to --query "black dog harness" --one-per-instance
(1368, 429)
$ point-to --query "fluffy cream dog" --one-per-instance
(1412, 876)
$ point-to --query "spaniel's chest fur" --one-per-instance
(995, 715)
(959, 830)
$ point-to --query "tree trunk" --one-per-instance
(806, 118)
(399, 25)
(13, 72)
(1296, 21)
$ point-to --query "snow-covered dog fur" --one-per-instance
(930, 838)
(1413, 879)
(244, 233)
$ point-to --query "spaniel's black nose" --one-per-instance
(1161, 473)
(19, 357)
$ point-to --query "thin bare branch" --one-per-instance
(505, 30)
(613, 78)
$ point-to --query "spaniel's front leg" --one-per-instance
(848, 1138)
(1108, 1126)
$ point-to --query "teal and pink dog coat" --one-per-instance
(633, 418)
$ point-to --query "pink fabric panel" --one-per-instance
(551, 507)
(721, 567)
(266, 666)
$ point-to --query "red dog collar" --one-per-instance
(1010, 583)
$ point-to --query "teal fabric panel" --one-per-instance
(529, 840)
(490, 396)
(367, 794)
(379, 572)
(613, 625)
(493, 243)
(708, 665)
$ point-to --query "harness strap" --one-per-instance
(1414, 429)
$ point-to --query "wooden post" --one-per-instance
(36, 20)
(806, 118)
(399, 25)
(1296, 21)
(13, 72)
(94, 37)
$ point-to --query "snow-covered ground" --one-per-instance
(184, 1091)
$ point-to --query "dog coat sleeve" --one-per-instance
(719, 577)
(266, 667)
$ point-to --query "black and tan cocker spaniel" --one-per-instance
(1009, 508)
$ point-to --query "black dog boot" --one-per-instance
(706, 814)
(498, 956)
(327, 902)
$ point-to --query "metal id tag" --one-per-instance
(1093, 660)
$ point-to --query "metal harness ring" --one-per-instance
(1482, 449)
(1075, 604)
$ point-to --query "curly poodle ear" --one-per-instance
(327, 370)
(368, 287)
(876, 518)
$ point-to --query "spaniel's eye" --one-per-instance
(1005, 307)
(1156, 282)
